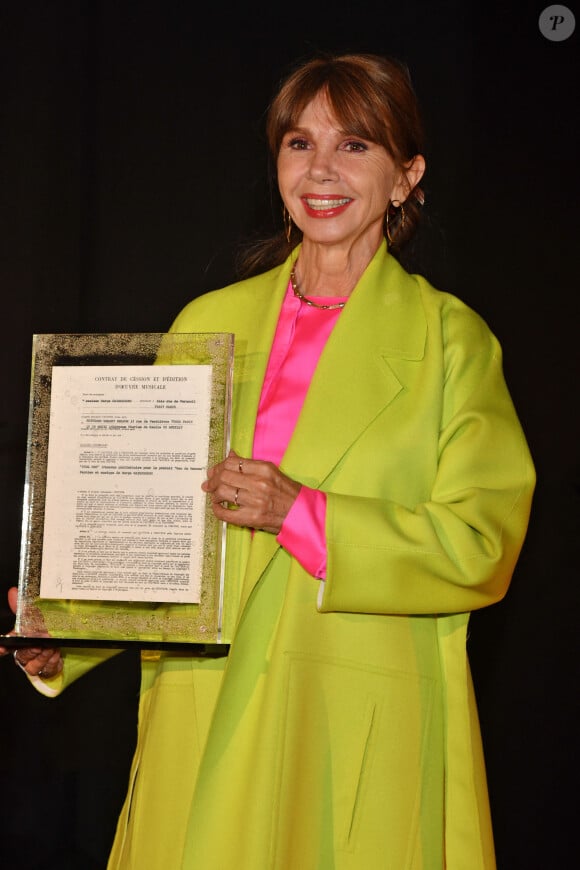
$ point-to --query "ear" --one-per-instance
(411, 175)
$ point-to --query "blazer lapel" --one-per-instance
(353, 383)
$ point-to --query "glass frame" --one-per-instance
(52, 621)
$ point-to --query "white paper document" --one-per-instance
(124, 510)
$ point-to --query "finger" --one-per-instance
(23, 657)
(239, 460)
(235, 516)
(231, 497)
(13, 598)
(12, 603)
(55, 661)
(234, 462)
(45, 665)
(51, 667)
(224, 480)
(214, 477)
(35, 656)
(238, 505)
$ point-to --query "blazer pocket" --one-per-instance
(350, 773)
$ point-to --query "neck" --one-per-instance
(331, 270)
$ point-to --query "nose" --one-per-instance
(323, 165)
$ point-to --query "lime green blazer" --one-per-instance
(341, 732)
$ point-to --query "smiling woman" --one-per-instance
(337, 189)
(378, 490)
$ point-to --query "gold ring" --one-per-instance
(240, 463)
(236, 496)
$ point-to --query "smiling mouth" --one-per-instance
(327, 203)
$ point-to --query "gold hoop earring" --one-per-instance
(400, 210)
(286, 217)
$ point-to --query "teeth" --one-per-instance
(326, 203)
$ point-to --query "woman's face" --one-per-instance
(336, 186)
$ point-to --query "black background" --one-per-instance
(132, 165)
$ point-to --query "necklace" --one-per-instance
(308, 301)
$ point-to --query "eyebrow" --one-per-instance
(341, 132)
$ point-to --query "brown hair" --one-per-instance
(372, 97)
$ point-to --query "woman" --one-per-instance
(378, 491)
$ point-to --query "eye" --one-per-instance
(355, 145)
(298, 143)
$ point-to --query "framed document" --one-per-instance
(120, 545)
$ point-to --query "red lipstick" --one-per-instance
(325, 206)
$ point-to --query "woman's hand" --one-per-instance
(12, 603)
(43, 662)
(250, 492)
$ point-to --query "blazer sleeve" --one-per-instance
(76, 663)
(455, 551)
